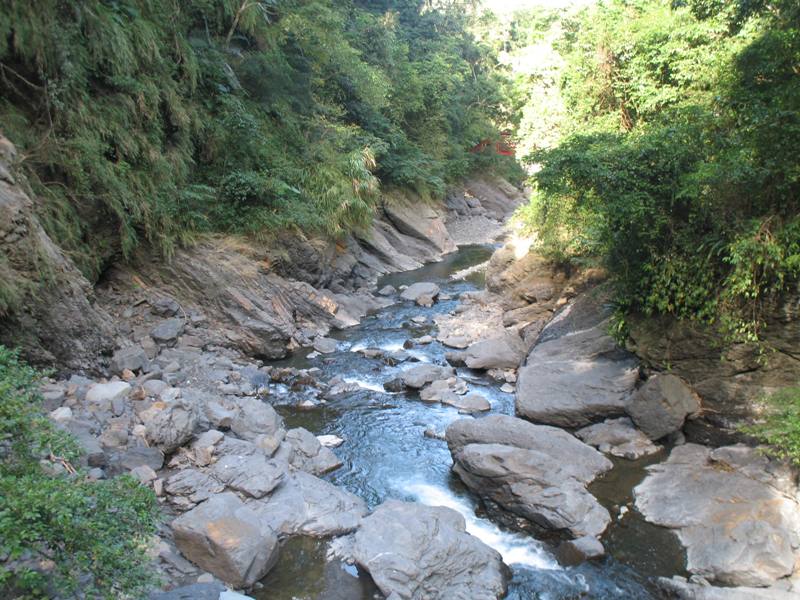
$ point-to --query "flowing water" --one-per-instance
(386, 455)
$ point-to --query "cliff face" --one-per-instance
(52, 316)
(730, 379)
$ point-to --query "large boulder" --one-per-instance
(254, 418)
(416, 552)
(421, 375)
(574, 377)
(680, 589)
(661, 405)
(253, 474)
(132, 358)
(226, 538)
(502, 352)
(521, 468)
(306, 505)
(420, 290)
(618, 437)
(172, 426)
(730, 511)
(308, 454)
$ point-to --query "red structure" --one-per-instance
(505, 146)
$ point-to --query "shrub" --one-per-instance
(62, 533)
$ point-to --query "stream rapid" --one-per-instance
(386, 454)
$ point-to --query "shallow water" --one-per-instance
(386, 455)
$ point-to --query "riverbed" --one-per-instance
(387, 454)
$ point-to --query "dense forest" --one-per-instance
(149, 121)
(675, 155)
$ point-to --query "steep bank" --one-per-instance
(263, 299)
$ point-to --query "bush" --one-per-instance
(61, 533)
(780, 427)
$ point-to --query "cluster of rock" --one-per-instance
(439, 384)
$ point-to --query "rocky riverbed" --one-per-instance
(313, 431)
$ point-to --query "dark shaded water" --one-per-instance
(386, 455)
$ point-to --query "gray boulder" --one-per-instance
(308, 454)
(521, 468)
(173, 426)
(306, 505)
(387, 290)
(420, 291)
(618, 437)
(661, 405)
(416, 552)
(226, 538)
(254, 418)
(133, 358)
(574, 552)
(468, 403)
(576, 378)
(421, 375)
(167, 331)
(105, 393)
(502, 352)
(680, 589)
(325, 345)
(253, 475)
(738, 529)
(189, 487)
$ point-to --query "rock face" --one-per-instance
(576, 374)
(421, 222)
(729, 511)
(416, 552)
(53, 323)
(661, 405)
(729, 379)
(521, 467)
(226, 538)
(503, 352)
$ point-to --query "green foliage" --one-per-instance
(150, 121)
(62, 532)
(780, 426)
(674, 161)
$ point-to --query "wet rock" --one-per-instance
(325, 345)
(680, 589)
(167, 331)
(132, 358)
(468, 403)
(394, 385)
(455, 359)
(59, 415)
(413, 551)
(618, 437)
(225, 537)
(737, 530)
(421, 375)
(306, 505)
(387, 290)
(420, 290)
(330, 441)
(438, 389)
(105, 393)
(574, 552)
(308, 454)
(502, 352)
(522, 468)
(662, 404)
(573, 380)
(172, 426)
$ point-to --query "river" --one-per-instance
(386, 454)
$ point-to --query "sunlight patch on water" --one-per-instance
(516, 549)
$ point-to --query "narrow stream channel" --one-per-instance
(387, 455)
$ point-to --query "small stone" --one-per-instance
(96, 474)
(128, 375)
(574, 552)
(507, 388)
(62, 414)
(132, 358)
(387, 290)
(419, 319)
(100, 393)
(167, 331)
(158, 487)
(205, 578)
(154, 387)
(165, 307)
(144, 474)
